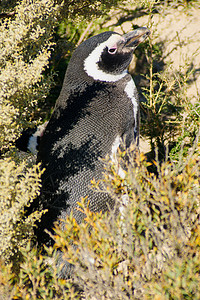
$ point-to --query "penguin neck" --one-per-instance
(74, 84)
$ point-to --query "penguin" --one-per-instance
(97, 110)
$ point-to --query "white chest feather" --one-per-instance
(130, 91)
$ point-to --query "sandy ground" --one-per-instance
(180, 31)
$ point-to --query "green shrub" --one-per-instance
(149, 251)
(158, 227)
(19, 185)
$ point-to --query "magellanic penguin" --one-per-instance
(97, 109)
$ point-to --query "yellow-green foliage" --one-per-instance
(36, 280)
(19, 185)
(39, 280)
(150, 250)
(24, 53)
(86, 8)
(155, 238)
(25, 44)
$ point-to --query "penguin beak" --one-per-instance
(135, 37)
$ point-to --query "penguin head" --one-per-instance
(112, 54)
(104, 57)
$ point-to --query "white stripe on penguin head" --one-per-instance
(91, 62)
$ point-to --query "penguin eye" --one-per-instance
(112, 50)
